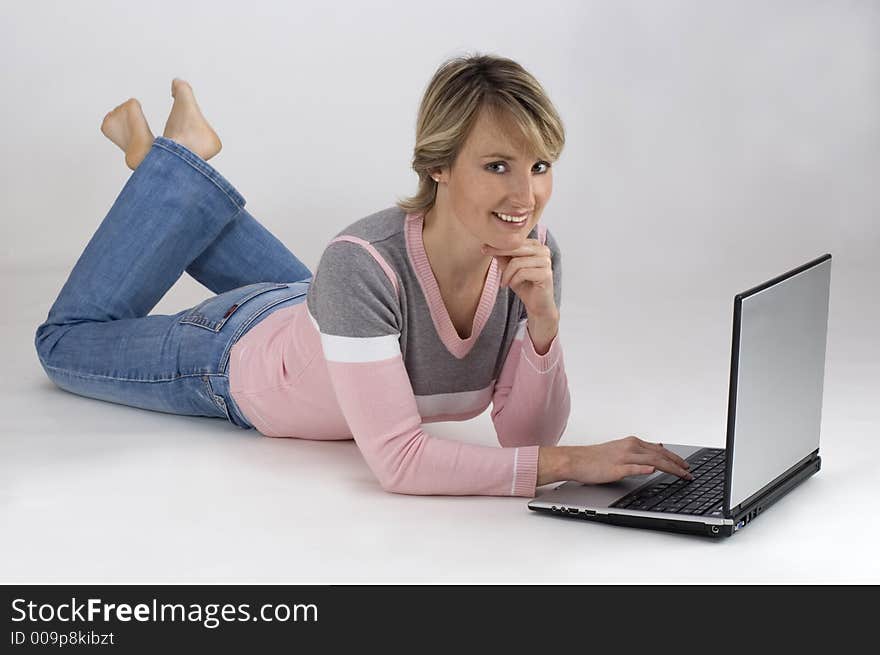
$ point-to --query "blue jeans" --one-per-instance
(175, 213)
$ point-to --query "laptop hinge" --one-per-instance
(768, 489)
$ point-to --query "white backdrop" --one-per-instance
(710, 146)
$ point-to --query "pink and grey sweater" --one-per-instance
(372, 355)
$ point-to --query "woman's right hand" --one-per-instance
(608, 462)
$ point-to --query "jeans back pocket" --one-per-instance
(213, 313)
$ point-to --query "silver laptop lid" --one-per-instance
(776, 377)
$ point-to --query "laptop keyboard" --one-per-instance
(703, 495)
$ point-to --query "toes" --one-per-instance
(178, 84)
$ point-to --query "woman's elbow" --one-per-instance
(396, 484)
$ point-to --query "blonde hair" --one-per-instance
(459, 90)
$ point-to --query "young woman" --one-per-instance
(429, 310)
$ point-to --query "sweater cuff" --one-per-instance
(525, 474)
(541, 363)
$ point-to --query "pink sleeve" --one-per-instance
(377, 400)
(354, 297)
(531, 402)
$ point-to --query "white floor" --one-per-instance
(92, 492)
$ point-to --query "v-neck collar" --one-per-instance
(457, 346)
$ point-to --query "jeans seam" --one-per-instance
(90, 376)
(198, 166)
(218, 400)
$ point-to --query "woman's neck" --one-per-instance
(453, 253)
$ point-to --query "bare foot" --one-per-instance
(127, 127)
(187, 125)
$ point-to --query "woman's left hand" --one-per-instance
(528, 272)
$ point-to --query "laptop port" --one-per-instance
(572, 510)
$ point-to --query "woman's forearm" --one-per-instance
(552, 464)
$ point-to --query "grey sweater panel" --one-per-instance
(352, 296)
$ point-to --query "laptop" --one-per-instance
(774, 413)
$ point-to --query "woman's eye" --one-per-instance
(540, 163)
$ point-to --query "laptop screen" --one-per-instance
(777, 374)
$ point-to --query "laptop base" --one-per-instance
(665, 523)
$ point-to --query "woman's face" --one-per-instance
(495, 172)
